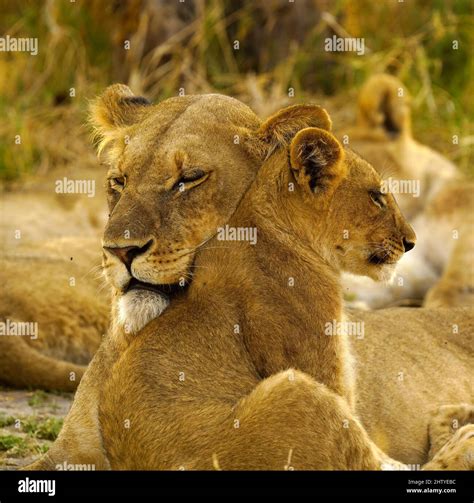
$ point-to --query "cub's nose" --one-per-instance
(408, 245)
(128, 253)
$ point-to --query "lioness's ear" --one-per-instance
(317, 159)
(281, 127)
(115, 108)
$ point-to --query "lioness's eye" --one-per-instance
(378, 198)
(117, 183)
(190, 179)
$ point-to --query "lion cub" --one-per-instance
(210, 382)
(431, 193)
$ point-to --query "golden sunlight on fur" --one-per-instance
(221, 360)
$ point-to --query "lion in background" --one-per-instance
(51, 279)
(55, 286)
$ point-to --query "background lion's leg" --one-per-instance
(291, 421)
(22, 366)
(456, 285)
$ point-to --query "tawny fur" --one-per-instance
(36, 276)
(383, 100)
(192, 386)
(55, 285)
(446, 421)
(410, 362)
(375, 402)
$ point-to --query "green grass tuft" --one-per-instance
(38, 398)
(46, 429)
(6, 420)
(15, 446)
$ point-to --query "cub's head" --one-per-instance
(176, 172)
(337, 205)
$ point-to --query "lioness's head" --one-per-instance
(333, 198)
(177, 171)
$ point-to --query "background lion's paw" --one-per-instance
(457, 453)
(445, 422)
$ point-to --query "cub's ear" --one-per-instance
(317, 160)
(117, 107)
(281, 127)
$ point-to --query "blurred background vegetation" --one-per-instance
(191, 45)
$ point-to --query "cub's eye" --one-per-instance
(378, 198)
(117, 183)
(190, 179)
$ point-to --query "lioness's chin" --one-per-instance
(136, 308)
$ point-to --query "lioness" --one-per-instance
(52, 284)
(201, 383)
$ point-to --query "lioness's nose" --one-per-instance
(408, 245)
(127, 253)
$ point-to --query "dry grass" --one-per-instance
(191, 47)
